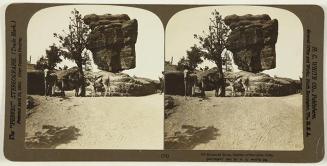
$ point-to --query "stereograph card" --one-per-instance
(229, 83)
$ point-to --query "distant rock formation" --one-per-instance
(252, 41)
(122, 84)
(112, 41)
(261, 84)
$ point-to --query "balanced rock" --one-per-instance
(112, 41)
(252, 41)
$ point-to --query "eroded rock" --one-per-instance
(252, 41)
(112, 41)
(261, 84)
(122, 84)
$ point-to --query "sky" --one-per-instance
(289, 47)
(149, 46)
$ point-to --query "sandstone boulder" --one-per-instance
(262, 84)
(252, 41)
(122, 84)
(112, 41)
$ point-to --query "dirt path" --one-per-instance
(237, 123)
(103, 122)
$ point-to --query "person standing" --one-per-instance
(45, 75)
(186, 81)
(162, 82)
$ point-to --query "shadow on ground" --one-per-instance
(190, 136)
(51, 137)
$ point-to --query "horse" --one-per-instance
(239, 84)
(70, 81)
(50, 79)
(100, 82)
(212, 80)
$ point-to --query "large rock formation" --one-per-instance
(112, 41)
(252, 41)
(122, 84)
(261, 84)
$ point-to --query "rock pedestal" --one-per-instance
(252, 41)
(112, 41)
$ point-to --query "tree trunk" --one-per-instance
(82, 79)
(220, 71)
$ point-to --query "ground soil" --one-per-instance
(101, 122)
(213, 123)
(235, 123)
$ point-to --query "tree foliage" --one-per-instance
(192, 60)
(183, 64)
(74, 43)
(194, 57)
(41, 64)
(53, 55)
(213, 42)
(51, 59)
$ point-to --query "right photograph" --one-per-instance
(233, 79)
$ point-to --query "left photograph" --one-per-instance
(94, 78)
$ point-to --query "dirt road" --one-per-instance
(101, 122)
(236, 123)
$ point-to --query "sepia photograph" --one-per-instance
(93, 78)
(233, 79)
(163, 82)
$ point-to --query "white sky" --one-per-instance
(149, 46)
(289, 48)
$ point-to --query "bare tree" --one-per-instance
(213, 42)
(74, 42)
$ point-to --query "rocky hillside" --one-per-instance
(262, 84)
(121, 84)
